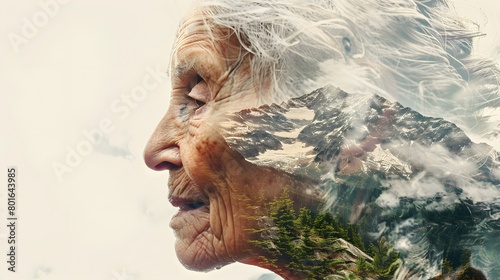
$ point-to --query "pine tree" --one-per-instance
(307, 244)
(385, 259)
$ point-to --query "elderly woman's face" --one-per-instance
(217, 191)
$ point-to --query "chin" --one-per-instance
(197, 247)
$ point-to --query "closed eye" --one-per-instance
(199, 91)
(199, 103)
(196, 80)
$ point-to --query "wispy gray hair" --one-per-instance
(416, 52)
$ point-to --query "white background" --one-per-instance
(108, 217)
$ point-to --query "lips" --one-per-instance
(186, 204)
(194, 206)
(191, 211)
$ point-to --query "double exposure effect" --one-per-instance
(333, 140)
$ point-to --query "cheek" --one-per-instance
(240, 91)
(214, 167)
(205, 154)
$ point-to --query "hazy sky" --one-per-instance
(82, 89)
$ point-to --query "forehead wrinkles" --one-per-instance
(199, 32)
(194, 31)
(205, 47)
(197, 27)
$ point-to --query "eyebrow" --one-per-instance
(182, 68)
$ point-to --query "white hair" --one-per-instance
(416, 52)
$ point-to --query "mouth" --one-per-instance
(187, 204)
(194, 236)
(194, 207)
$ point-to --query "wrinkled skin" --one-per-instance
(219, 193)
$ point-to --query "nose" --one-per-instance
(162, 151)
